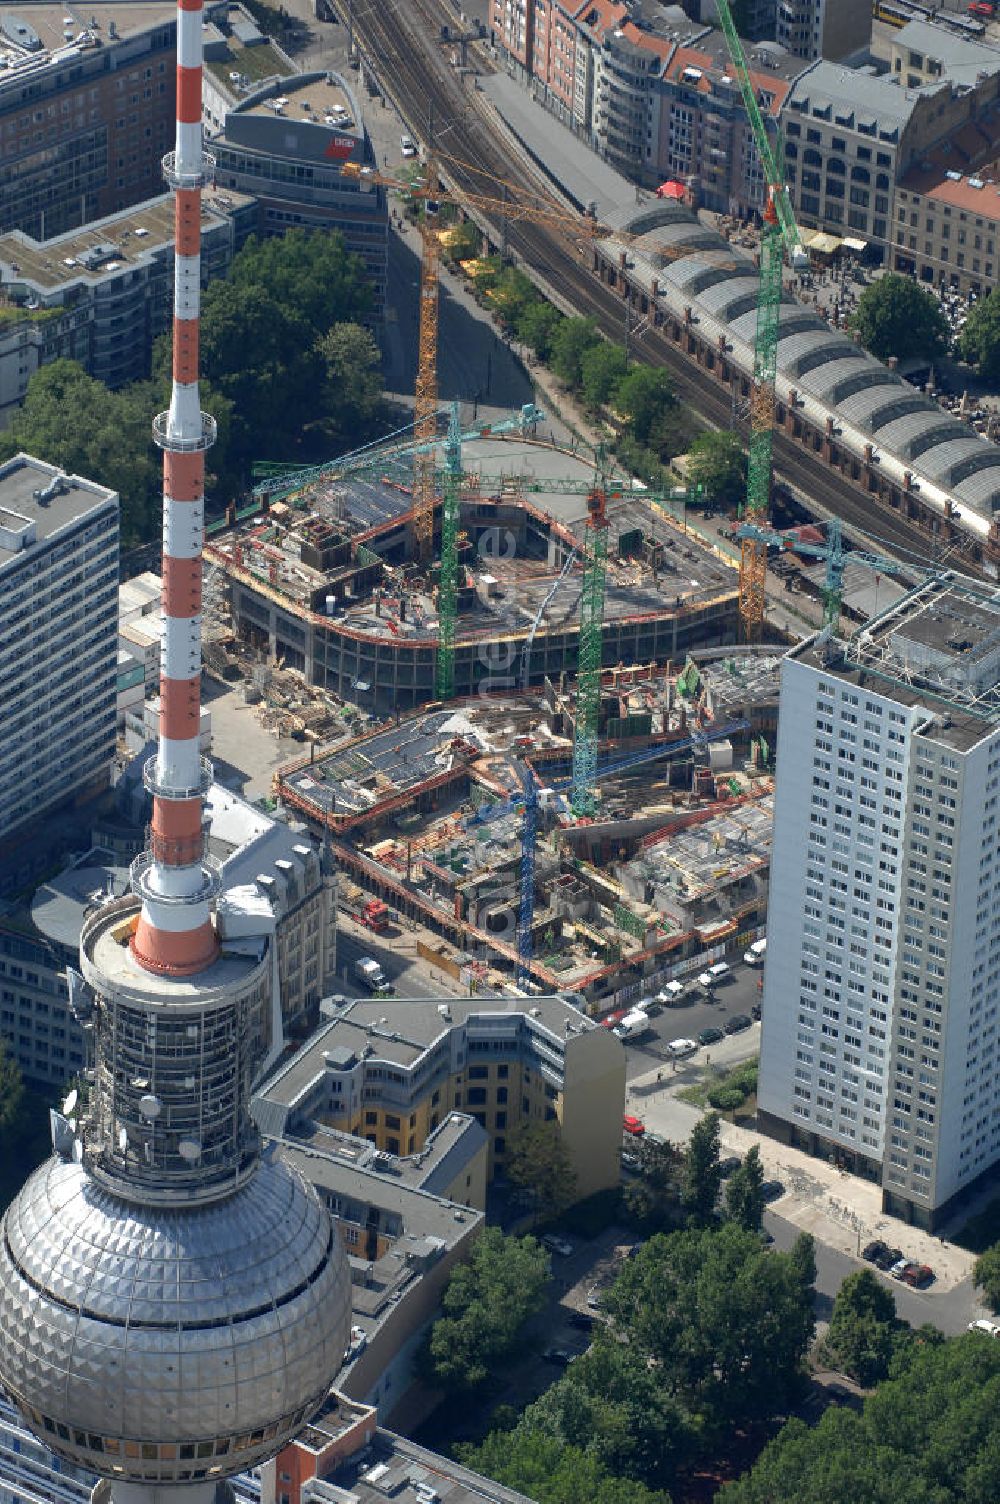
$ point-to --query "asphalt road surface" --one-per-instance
(697, 1012)
(409, 976)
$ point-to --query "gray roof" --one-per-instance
(23, 476)
(872, 408)
(913, 433)
(845, 90)
(963, 57)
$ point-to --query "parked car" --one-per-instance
(875, 1252)
(755, 1013)
(918, 1276)
(710, 1036)
(899, 1268)
(673, 993)
(738, 1023)
(729, 1165)
(633, 1125)
(652, 1006)
(631, 1162)
(558, 1355)
(988, 1328)
(556, 1245)
(681, 1048)
(772, 1189)
(755, 955)
(408, 146)
(713, 975)
(594, 1297)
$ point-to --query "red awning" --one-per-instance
(671, 189)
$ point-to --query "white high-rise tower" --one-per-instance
(880, 1044)
(172, 1307)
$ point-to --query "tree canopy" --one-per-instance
(72, 420)
(986, 1276)
(861, 1338)
(926, 1436)
(744, 1194)
(702, 1176)
(979, 341)
(485, 1303)
(550, 1472)
(717, 463)
(896, 316)
(539, 1163)
(728, 1319)
(572, 339)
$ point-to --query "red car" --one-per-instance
(633, 1125)
(918, 1275)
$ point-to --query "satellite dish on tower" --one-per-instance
(70, 1103)
(77, 1151)
(123, 1140)
(62, 1134)
(189, 1149)
(150, 1106)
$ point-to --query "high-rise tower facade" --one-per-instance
(879, 1039)
(172, 1307)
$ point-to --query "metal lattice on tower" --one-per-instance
(444, 670)
(588, 683)
(753, 553)
(426, 392)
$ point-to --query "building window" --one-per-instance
(371, 1119)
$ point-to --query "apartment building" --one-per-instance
(100, 295)
(287, 145)
(58, 638)
(392, 1069)
(652, 91)
(882, 984)
(834, 29)
(86, 110)
(852, 136)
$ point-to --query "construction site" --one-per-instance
(462, 821)
(539, 708)
(329, 580)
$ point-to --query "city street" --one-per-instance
(699, 1011)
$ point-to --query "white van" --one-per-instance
(714, 975)
(672, 993)
(755, 955)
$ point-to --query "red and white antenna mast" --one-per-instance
(175, 880)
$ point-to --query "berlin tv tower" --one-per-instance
(173, 1305)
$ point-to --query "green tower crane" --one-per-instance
(444, 665)
(779, 232)
(591, 640)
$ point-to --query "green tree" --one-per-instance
(986, 1276)
(927, 1435)
(744, 1196)
(73, 421)
(726, 1321)
(537, 325)
(464, 242)
(613, 1403)
(352, 365)
(601, 369)
(570, 343)
(643, 396)
(896, 316)
(539, 1163)
(485, 1304)
(979, 341)
(550, 1472)
(702, 1177)
(308, 272)
(717, 463)
(11, 1095)
(861, 1337)
(513, 294)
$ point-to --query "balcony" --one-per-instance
(164, 439)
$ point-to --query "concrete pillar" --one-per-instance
(793, 398)
(827, 445)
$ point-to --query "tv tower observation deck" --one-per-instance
(173, 1307)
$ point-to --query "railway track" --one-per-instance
(398, 42)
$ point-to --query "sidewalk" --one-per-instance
(841, 1211)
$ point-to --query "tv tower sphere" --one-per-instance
(173, 1307)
